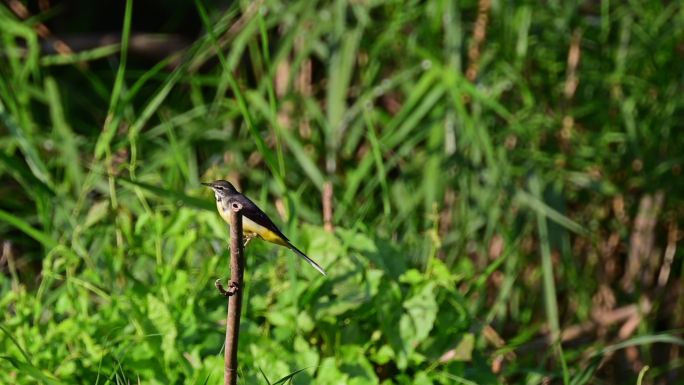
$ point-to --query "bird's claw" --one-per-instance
(248, 238)
(233, 288)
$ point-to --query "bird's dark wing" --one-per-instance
(253, 212)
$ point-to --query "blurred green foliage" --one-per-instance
(474, 220)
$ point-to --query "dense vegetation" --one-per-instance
(481, 180)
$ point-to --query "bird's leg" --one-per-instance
(233, 288)
(248, 238)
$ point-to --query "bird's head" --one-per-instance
(221, 188)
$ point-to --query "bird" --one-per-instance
(255, 223)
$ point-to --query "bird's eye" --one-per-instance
(219, 187)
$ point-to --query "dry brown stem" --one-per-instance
(643, 256)
(479, 35)
(328, 206)
(234, 294)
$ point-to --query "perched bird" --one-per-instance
(255, 223)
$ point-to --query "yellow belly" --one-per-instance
(251, 228)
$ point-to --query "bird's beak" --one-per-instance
(208, 184)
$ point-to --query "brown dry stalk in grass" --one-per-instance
(574, 54)
(570, 87)
(43, 5)
(284, 118)
(282, 76)
(7, 256)
(630, 316)
(303, 85)
(642, 259)
(670, 251)
(149, 45)
(152, 45)
(281, 85)
(479, 35)
(22, 12)
(446, 217)
(234, 295)
(328, 206)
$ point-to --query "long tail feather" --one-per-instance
(311, 261)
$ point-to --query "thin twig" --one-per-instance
(234, 294)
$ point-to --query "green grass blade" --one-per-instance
(264, 375)
(379, 164)
(32, 371)
(67, 141)
(45, 239)
(536, 204)
(550, 301)
(111, 124)
(16, 343)
(33, 159)
(306, 163)
(240, 98)
(289, 377)
(170, 195)
(80, 57)
(22, 173)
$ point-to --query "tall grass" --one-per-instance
(475, 222)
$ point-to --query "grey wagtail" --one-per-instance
(255, 223)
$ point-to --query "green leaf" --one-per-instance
(161, 318)
(420, 313)
(96, 213)
(464, 349)
(111, 122)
